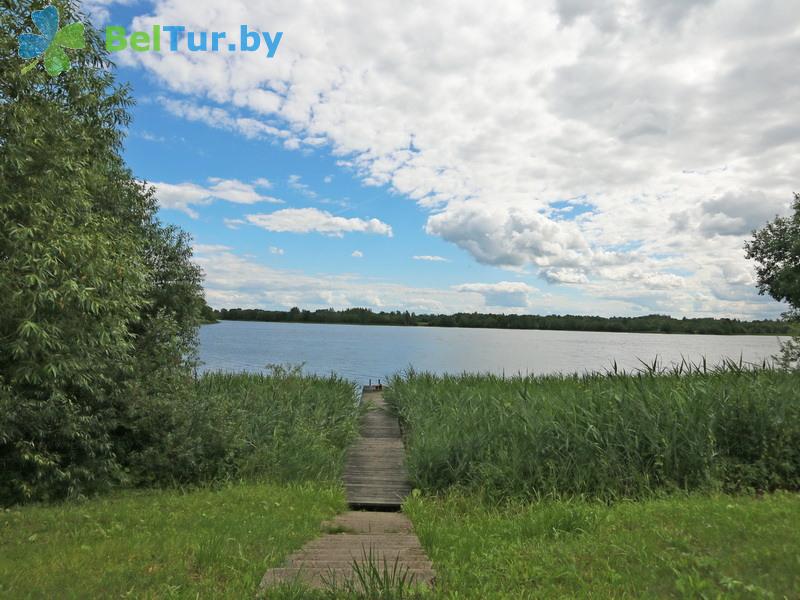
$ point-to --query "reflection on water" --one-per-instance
(361, 352)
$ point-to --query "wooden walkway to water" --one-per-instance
(375, 475)
(375, 478)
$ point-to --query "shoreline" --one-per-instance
(787, 334)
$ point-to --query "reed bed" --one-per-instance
(277, 426)
(604, 436)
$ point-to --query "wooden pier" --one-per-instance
(375, 479)
(375, 475)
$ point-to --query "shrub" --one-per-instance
(98, 300)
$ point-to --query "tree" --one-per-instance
(776, 250)
(98, 301)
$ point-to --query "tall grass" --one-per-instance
(373, 578)
(602, 435)
(278, 426)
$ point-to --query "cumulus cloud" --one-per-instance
(500, 294)
(182, 196)
(652, 111)
(564, 276)
(276, 250)
(357, 254)
(306, 220)
(739, 213)
(510, 236)
(232, 280)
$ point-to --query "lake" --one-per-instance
(361, 352)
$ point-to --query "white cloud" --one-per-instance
(182, 196)
(233, 223)
(210, 248)
(357, 254)
(220, 118)
(501, 294)
(295, 183)
(564, 276)
(510, 287)
(232, 280)
(306, 220)
(152, 137)
(430, 258)
(510, 236)
(234, 190)
(98, 11)
(651, 111)
(276, 250)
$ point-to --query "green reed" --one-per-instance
(603, 435)
(278, 426)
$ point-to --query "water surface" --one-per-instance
(362, 352)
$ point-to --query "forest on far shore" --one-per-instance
(643, 324)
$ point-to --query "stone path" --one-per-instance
(375, 477)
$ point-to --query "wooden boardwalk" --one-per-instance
(386, 537)
(375, 475)
(375, 478)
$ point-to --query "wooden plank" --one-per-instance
(375, 476)
(375, 472)
(365, 535)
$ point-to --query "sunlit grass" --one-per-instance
(677, 547)
(208, 543)
(535, 476)
(262, 454)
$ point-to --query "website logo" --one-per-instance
(50, 45)
(195, 41)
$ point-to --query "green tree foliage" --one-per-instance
(644, 324)
(98, 300)
(776, 250)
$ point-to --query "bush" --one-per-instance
(99, 301)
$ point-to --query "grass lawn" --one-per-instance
(218, 543)
(207, 543)
(680, 547)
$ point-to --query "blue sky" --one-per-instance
(164, 148)
(437, 162)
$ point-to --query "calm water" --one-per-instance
(370, 352)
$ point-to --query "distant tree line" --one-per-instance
(643, 324)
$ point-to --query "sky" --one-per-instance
(561, 157)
